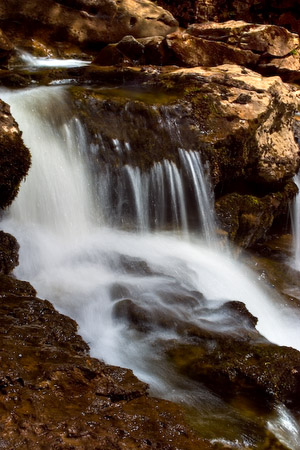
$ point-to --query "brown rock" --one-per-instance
(9, 253)
(265, 39)
(189, 51)
(53, 395)
(231, 367)
(283, 13)
(247, 218)
(89, 23)
(6, 47)
(14, 157)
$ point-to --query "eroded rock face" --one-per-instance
(14, 157)
(89, 23)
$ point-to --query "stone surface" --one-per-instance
(6, 47)
(189, 51)
(9, 253)
(230, 367)
(267, 49)
(269, 40)
(53, 395)
(14, 157)
(247, 218)
(88, 23)
(284, 13)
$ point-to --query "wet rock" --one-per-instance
(88, 23)
(14, 157)
(240, 123)
(10, 285)
(9, 253)
(247, 218)
(233, 367)
(203, 109)
(134, 315)
(54, 395)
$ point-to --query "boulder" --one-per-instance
(88, 23)
(269, 40)
(14, 157)
(186, 50)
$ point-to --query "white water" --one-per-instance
(296, 226)
(72, 258)
(28, 61)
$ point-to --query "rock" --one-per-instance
(131, 47)
(6, 47)
(88, 23)
(12, 286)
(189, 51)
(9, 253)
(53, 395)
(247, 218)
(269, 40)
(240, 122)
(255, 11)
(14, 157)
(268, 49)
(233, 367)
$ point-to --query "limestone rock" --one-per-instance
(89, 23)
(14, 157)
(265, 39)
(189, 51)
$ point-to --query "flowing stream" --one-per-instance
(90, 241)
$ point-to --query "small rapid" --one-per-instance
(79, 247)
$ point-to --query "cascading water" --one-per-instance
(296, 227)
(72, 255)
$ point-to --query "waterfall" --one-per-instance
(75, 227)
(27, 61)
(296, 226)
